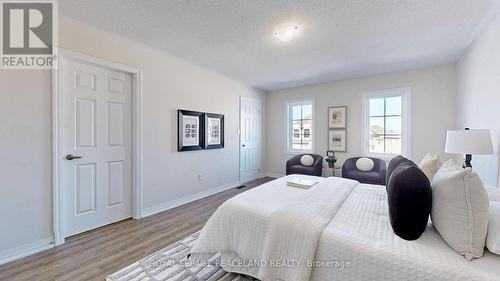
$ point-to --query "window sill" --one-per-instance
(296, 152)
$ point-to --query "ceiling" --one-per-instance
(340, 39)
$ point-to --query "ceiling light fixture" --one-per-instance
(287, 32)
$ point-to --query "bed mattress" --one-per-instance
(359, 244)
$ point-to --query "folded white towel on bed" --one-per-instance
(274, 224)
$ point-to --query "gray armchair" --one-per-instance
(375, 176)
(293, 166)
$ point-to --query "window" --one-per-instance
(387, 123)
(300, 120)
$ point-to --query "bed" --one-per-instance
(337, 230)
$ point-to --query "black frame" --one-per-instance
(221, 118)
(180, 131)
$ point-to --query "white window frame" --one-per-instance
(289, 126)
(406, 129)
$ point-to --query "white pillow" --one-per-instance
(365, 164)
(493, 238)
(307, 160)
(430, 165)
(460, 209)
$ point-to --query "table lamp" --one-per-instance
(468, 142)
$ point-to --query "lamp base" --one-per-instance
(467, 162)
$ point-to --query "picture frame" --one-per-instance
(337, 140)
(190, 130)
(214, 130)
(337, 117)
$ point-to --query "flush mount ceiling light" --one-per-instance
(287, 32)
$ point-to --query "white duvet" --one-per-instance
(337, 230)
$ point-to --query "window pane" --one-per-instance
(307, 145)
(377, 143)
(393, 135)
(393, 125)
(307, 133)
(296, 128)
(376, 137)
(296, 112)
(393, 144)
(377, 125)
(377, 107)
(307, 111)
(393, 105)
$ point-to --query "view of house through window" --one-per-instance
(300, 119)
(385, 124)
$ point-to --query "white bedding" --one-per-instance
(275, 223)
(356, 244)
(361, 234)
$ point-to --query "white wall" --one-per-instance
(25, 153)
(478, 101)
(433, 111)
(169, 83)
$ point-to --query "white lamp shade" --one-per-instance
(469, 142)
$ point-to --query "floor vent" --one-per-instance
(240, 187)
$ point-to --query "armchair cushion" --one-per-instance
(307, 160)
(365, 164)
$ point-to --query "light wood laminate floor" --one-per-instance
(95, 254)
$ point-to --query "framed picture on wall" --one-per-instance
(214, 130)
(337, 140)
(190, 131)
(337, 117)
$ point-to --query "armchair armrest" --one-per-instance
(295, 160)
(318, 166)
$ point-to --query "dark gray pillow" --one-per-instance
(393, 164)
(410, 201)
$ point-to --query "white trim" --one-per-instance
(187, 199)
(288, 125)
(137, 145)
(406, 142)
(56, 136)
(242, 98)
(26, 250)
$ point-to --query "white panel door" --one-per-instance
(249, 139)
(96, 145)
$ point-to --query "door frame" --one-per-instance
(242, 98)
(57, 200)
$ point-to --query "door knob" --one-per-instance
(243, 145)
(71, 157)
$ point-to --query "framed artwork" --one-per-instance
(337, 117)
(337, 140)
(190, 131)
(214, 131)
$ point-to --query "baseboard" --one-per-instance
(274, 175)
(188, 199)
(25, 250)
